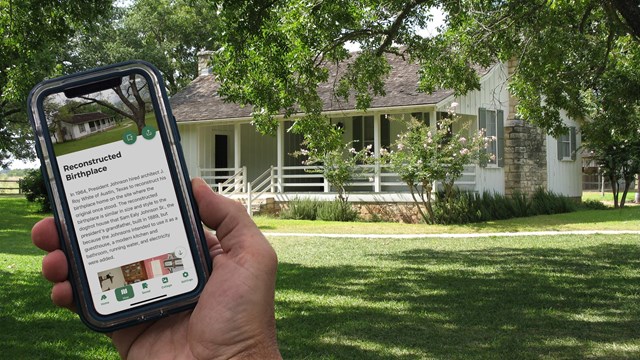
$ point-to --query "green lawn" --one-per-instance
(551, 297)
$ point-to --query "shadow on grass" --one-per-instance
(497, 303)
(33, 328)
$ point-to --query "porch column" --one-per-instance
(237, 153)
(376, 152)
(280, 155)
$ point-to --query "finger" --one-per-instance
(213, 243)
(62, 295)
(54, 266)
(45, 235)
(225, 216)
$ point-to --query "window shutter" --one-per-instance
(500, 132)
(572, 131)
(357, 133)
(482, 118)
(385, 132)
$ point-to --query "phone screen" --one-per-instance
(119, 188)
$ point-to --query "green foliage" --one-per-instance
(34, 36)
(300, 209)
(612, 132)
(274, 55)
(166, 33)
(592, 204)
(470, 207)
(35, 190)
(330, 157)
(424, 156)
(336, 211)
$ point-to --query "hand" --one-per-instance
(234, 317)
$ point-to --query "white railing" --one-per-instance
(226, 180)
(267, 181)
(369, 178)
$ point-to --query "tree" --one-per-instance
(34, 34)
(167, 33)
(612, 132)
(276, 53)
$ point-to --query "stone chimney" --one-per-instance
(525, 161)
(203, 62)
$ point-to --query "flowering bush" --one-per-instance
(424, 156)
(337, 162)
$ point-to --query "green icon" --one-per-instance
(148, 132)
(103, 297)
(124, 293)
(129, 137)
(185, 274)
(165, 280)
(145, 285)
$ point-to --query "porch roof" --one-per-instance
(200, 100)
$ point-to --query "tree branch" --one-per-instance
(392, 31)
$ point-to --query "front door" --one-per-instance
(221, 155)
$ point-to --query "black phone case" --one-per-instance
(69, 243)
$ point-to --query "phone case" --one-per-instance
(94, 80)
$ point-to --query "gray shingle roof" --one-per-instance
(86, 117)
(200, 100)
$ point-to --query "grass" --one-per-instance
(608, 196)
(563, 297)
(32, 327)
(548, 297)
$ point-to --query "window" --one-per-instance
(567, 145)
(493, 123)
(423, 117)
(363, 131)
(92, 126)
(82, 128)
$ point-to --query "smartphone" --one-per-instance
(120, 193)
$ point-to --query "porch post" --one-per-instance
(237, 154)
(280, 155)
(376, 152)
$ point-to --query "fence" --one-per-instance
(10, 186)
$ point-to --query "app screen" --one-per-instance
(120, 194)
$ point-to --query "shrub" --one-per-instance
(300, 209)
(35, 190)
(594, 205)
(468, 207)
(336, 211)
(547, 202)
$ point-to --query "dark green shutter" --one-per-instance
(572, 131)
(482, 120)
(559, 147)
(385, 131)
(357, 133)
(500, 132)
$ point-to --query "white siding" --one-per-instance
(258, 151)
(564, 176)
(494, 94)
(190, 143)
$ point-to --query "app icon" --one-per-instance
(129, 137)
(124, 293)
(165, 280)
(148, 132)
(185, 274)
(103, 297)
(145, 285)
